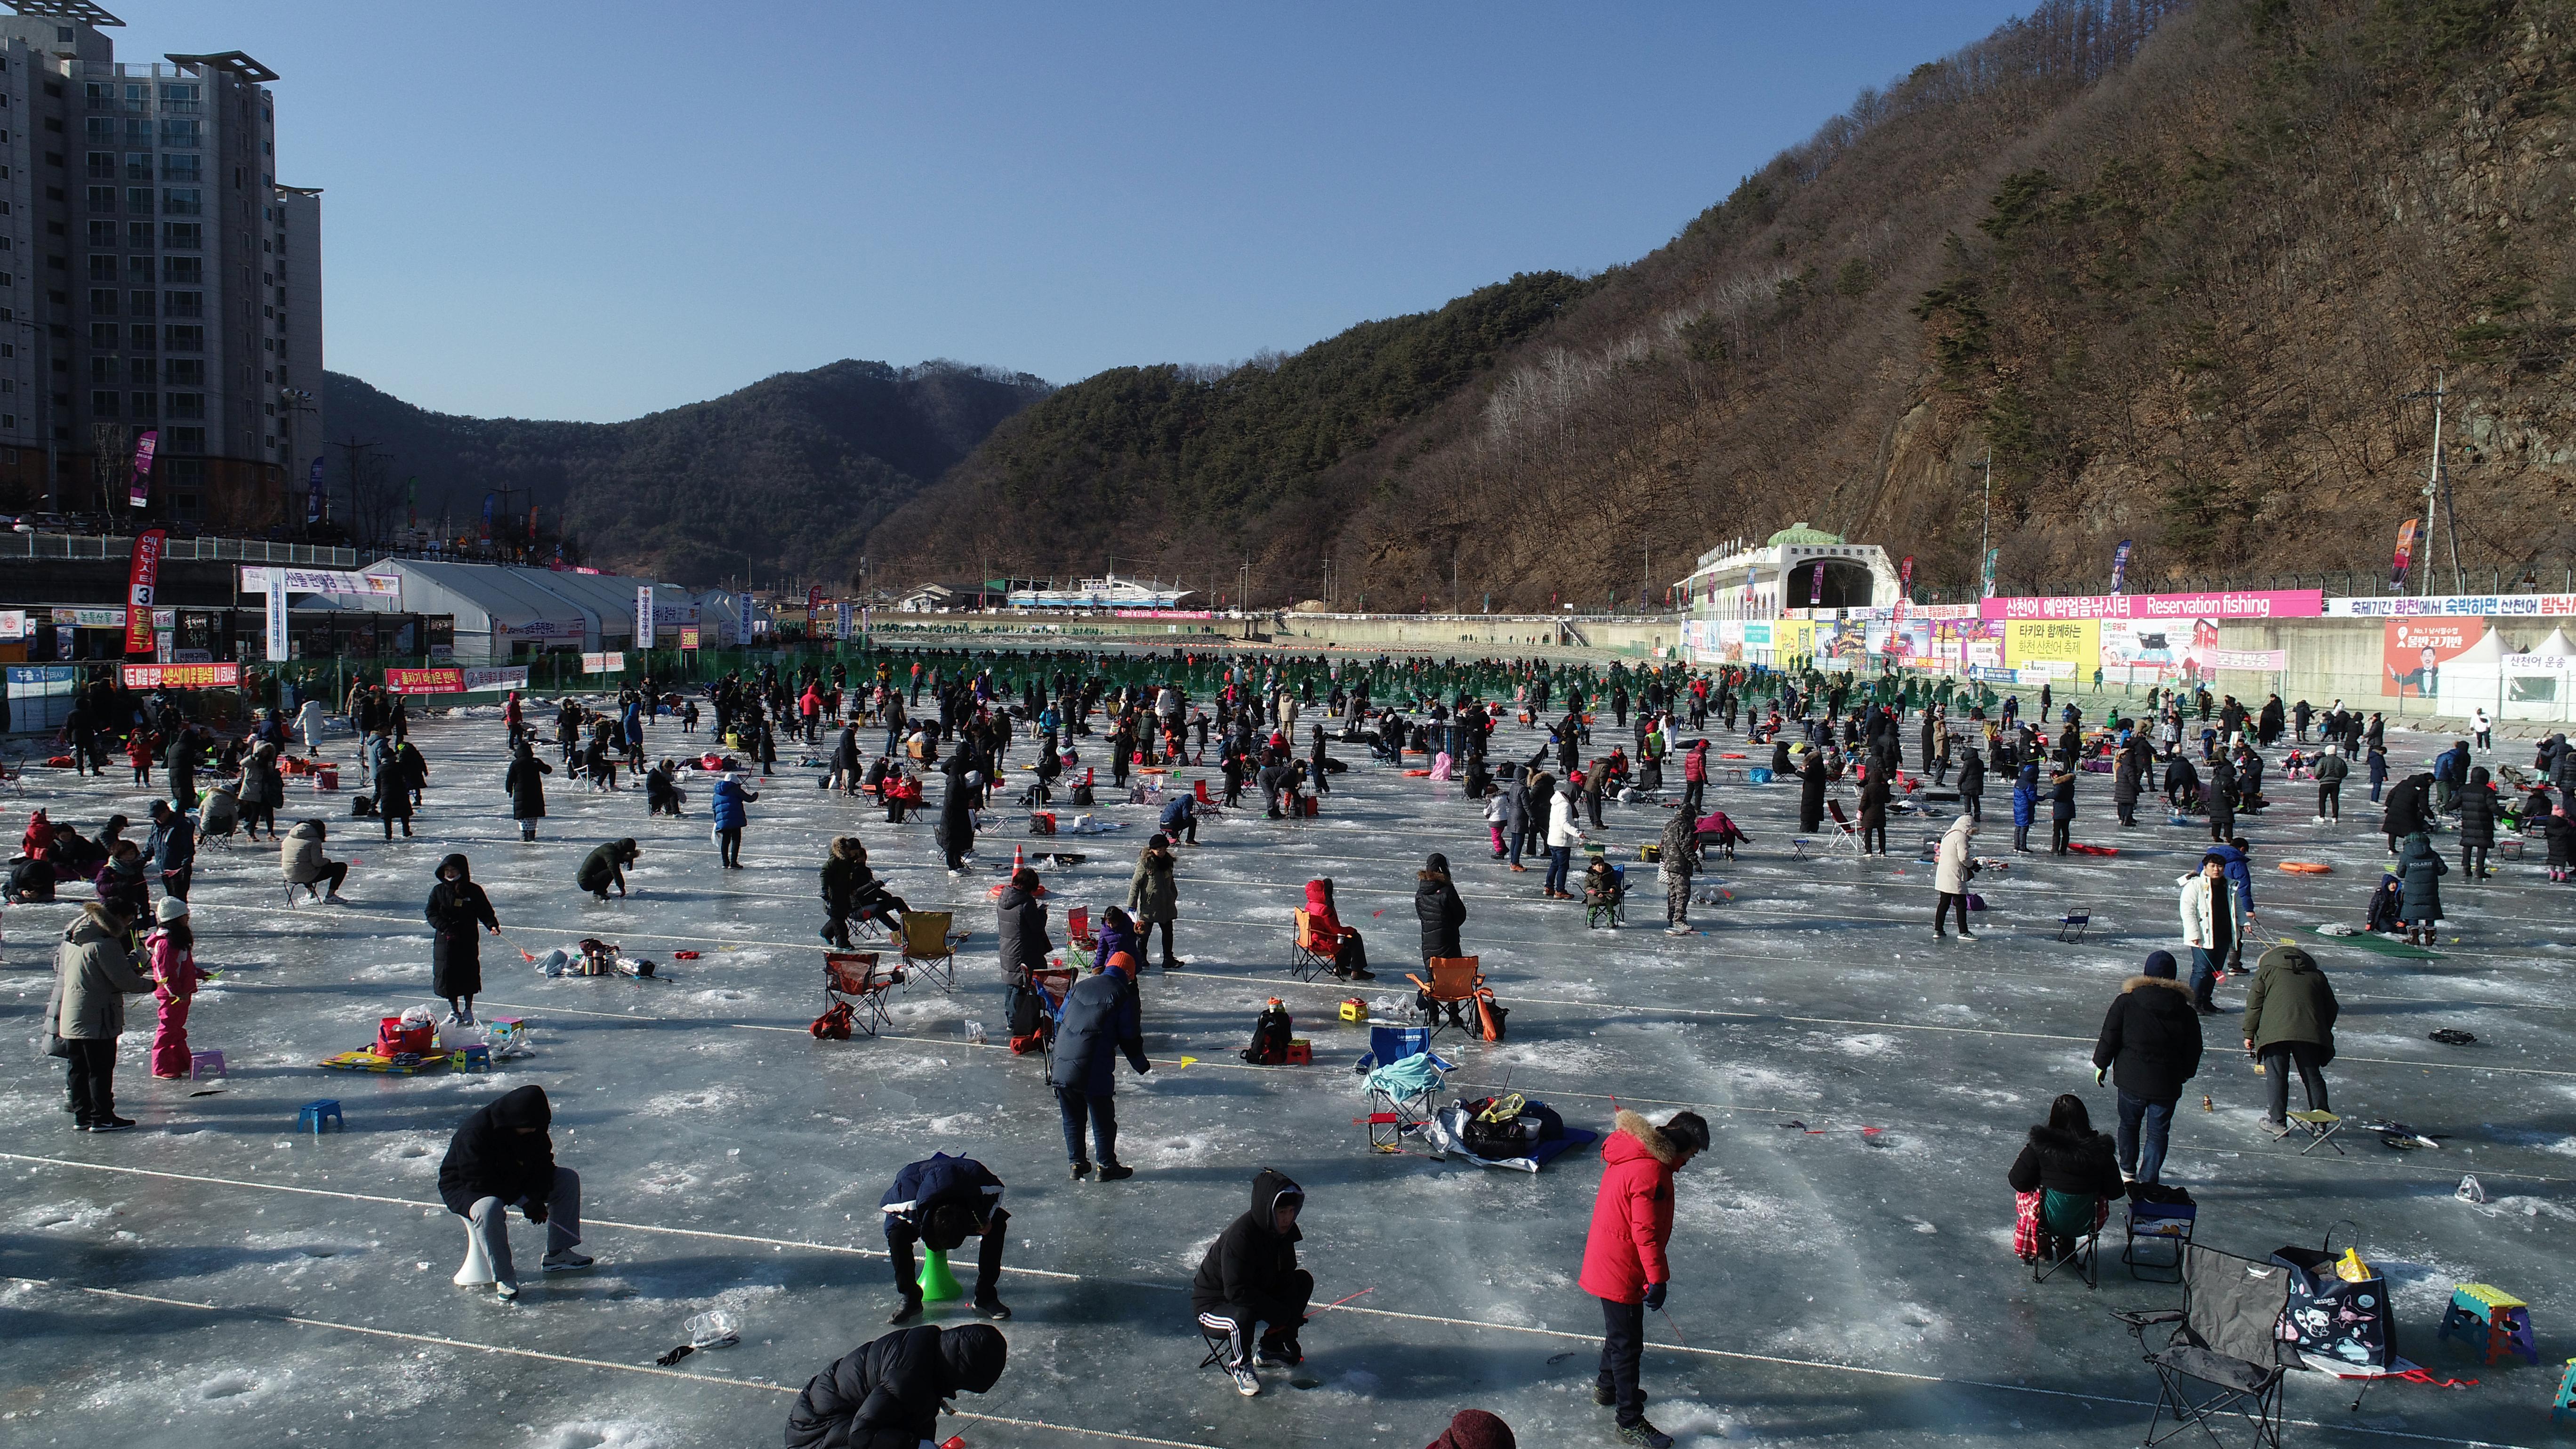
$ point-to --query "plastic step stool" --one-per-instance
(2564, 1407)
(2491, 1319)
(311, 1115)
(207, 1064)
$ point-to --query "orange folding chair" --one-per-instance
(1454, 982)
(1207, 806)
(853, 976)
(931, 946)
(1315, 950)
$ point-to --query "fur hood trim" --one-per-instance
(2134, 982)
(1650, 1136)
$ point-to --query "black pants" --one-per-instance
(1281, 1316)
(1186, 830)
(1692, 791)
(901, 1235)
(174, 883)
(333, 872)
(2473, 860)
(729, 848)
(1623, 1343)
(2128, 810)
(91, 1070)
(1145, 938)
(2060, 834)
(2330, 801)
(1873, 834)
(2278, 1058)
(1976, 806)
(1943, 906)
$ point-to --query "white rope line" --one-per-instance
(441, 1341)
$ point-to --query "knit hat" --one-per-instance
(2160, 965)
(1477, 1429)
(171, 909)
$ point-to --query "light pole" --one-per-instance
(45, 416)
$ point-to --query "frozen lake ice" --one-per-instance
(216, 1276)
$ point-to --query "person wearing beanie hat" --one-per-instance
(2290, 1014)
(2331, 770)
(2150, 1041)
(1099, 1020)
(170, 960)
(1625, 1261)
(1476, 1429)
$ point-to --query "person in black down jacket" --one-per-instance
(2476, 802)
(942, 1201)
(2151, 1042)
(888, 1394)
(2065, 1155)
(1435, 900)
(456, 906)
(1100, 1020)
(500, 1159)
(526, 782)
(1811, 793)
(1021, 934)
(1250, 1277)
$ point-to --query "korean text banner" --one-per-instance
(2061, 648)
(143, 576)
(2414, 651)
(254, 580)
(2251, 604)
(2490, 606)
(182, 676)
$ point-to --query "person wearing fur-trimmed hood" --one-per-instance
(1625, 1261)
(2150, 1045)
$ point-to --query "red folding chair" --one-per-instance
(854, 976)
(1207, 806)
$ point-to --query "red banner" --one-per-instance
(2405, 553)
(425, 681)
(182, 676)
(142, 577)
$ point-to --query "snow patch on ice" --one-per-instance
(1867, 1044)
(65, 1216)
(693, 1103)
(600, 1434)
(232, 1384)
(661, 1178)
(954, 1124)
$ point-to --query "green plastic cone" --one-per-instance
(938, 1285)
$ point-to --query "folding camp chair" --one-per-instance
(2074, 1223)
(1614, 910)
(1314, 953)
(1844, 835)
(1207, 809)
(853, 975)
(1454, 982)
(1081, 946)
(2170, 1223)
(2070, 927)
(2320, 1127)
(1051, 987)
(1404, 1092)
(2225, 1355)
(931, 946)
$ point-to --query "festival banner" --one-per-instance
(313, 500)
(142, 576)
(844, 617)
(2056, 648)
(2405, 554)
(689, 638)
(1904, 587)
(1815, 584)
(488, 502)
(89, 618)
(2490, 606)
(2249, 604)
(512, 676)
(139, 491)
(2260, 661)
(424, 681)
(276, 618)
(1987, 574)
(611, 662)
(646, 626)
(2414, 650)
(2120, 565)
(254, 580)
(183, 676)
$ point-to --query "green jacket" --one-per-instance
(93, 974)
(2290, 1001)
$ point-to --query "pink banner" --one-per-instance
(2252, 604)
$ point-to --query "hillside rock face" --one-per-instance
(2190, 273)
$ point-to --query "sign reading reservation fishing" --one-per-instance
(182, 676)
(455, 680)
(2252, 604)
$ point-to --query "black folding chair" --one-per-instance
(2080, 1250)
(2225, 1357)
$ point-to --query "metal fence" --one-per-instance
(102, 547)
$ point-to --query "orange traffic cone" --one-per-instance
(1019, 860)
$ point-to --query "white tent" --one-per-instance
(2533, 683)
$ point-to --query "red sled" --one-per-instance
(2092, 849)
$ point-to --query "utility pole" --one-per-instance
(2434, 490)
(1986, 530)
(354, 457)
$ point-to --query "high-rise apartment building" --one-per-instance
(154, 277)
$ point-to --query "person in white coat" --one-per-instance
(2212, 924)
(2482, 728)
(308, 720)
(1952, 867)
(1563, 834)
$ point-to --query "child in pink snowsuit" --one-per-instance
(172, 956)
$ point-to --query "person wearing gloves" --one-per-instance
(2150, 1043)
(1250, 1280)
(1625, 1261)
(605, 867)
(456, 906)
(1953, 866)
(942, 1201)
(1099, 1021)
(888, 1394)
(1677, 858)
(93, 974)
(2212, 925)
(170, 952)
(501, 1158)
(2289, 1021)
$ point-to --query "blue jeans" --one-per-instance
(2204, 976)
(1559, 858)
(2142, 1155)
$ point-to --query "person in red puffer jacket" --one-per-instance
(1624, 1264)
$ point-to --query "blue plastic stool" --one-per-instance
(312, 1113)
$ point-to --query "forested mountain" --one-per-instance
(2186, 270)
(792, 470)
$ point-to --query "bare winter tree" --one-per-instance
(112, 451)
(376, 501)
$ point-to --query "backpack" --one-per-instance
(1494, 1127)
(833, 1024)
(361, 806)
(1270, 1033)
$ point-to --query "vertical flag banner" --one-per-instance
(532, 522)
(813, 600)
(1816, 586)
(745, 600)
(842, 622)
(142, 577)
(644, 625)
(411, 501)
(313, 495)
(1904, 590)
(2120, 565)
(277, 646)
(1993, 555)
(1751, 576)
(487, 517)
(2405, 553)
(139, 492)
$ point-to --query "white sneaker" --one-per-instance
(506, 1292)
(335, 899)
(1967, 935)
(1245, 1382)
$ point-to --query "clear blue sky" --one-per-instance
(594, 210)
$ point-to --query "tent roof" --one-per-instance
(2488, 650)
(2556, 643)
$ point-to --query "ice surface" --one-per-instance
(731, 1161)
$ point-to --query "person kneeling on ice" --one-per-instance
(606, 866)
(1625, 1261)
(943, 1201)
(500, 1159)
(1250, 1279)
(888, 1394)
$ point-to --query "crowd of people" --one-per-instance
(1589, 739)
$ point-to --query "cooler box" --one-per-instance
(327, 778)
(1759, 774)
(394, 1039)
